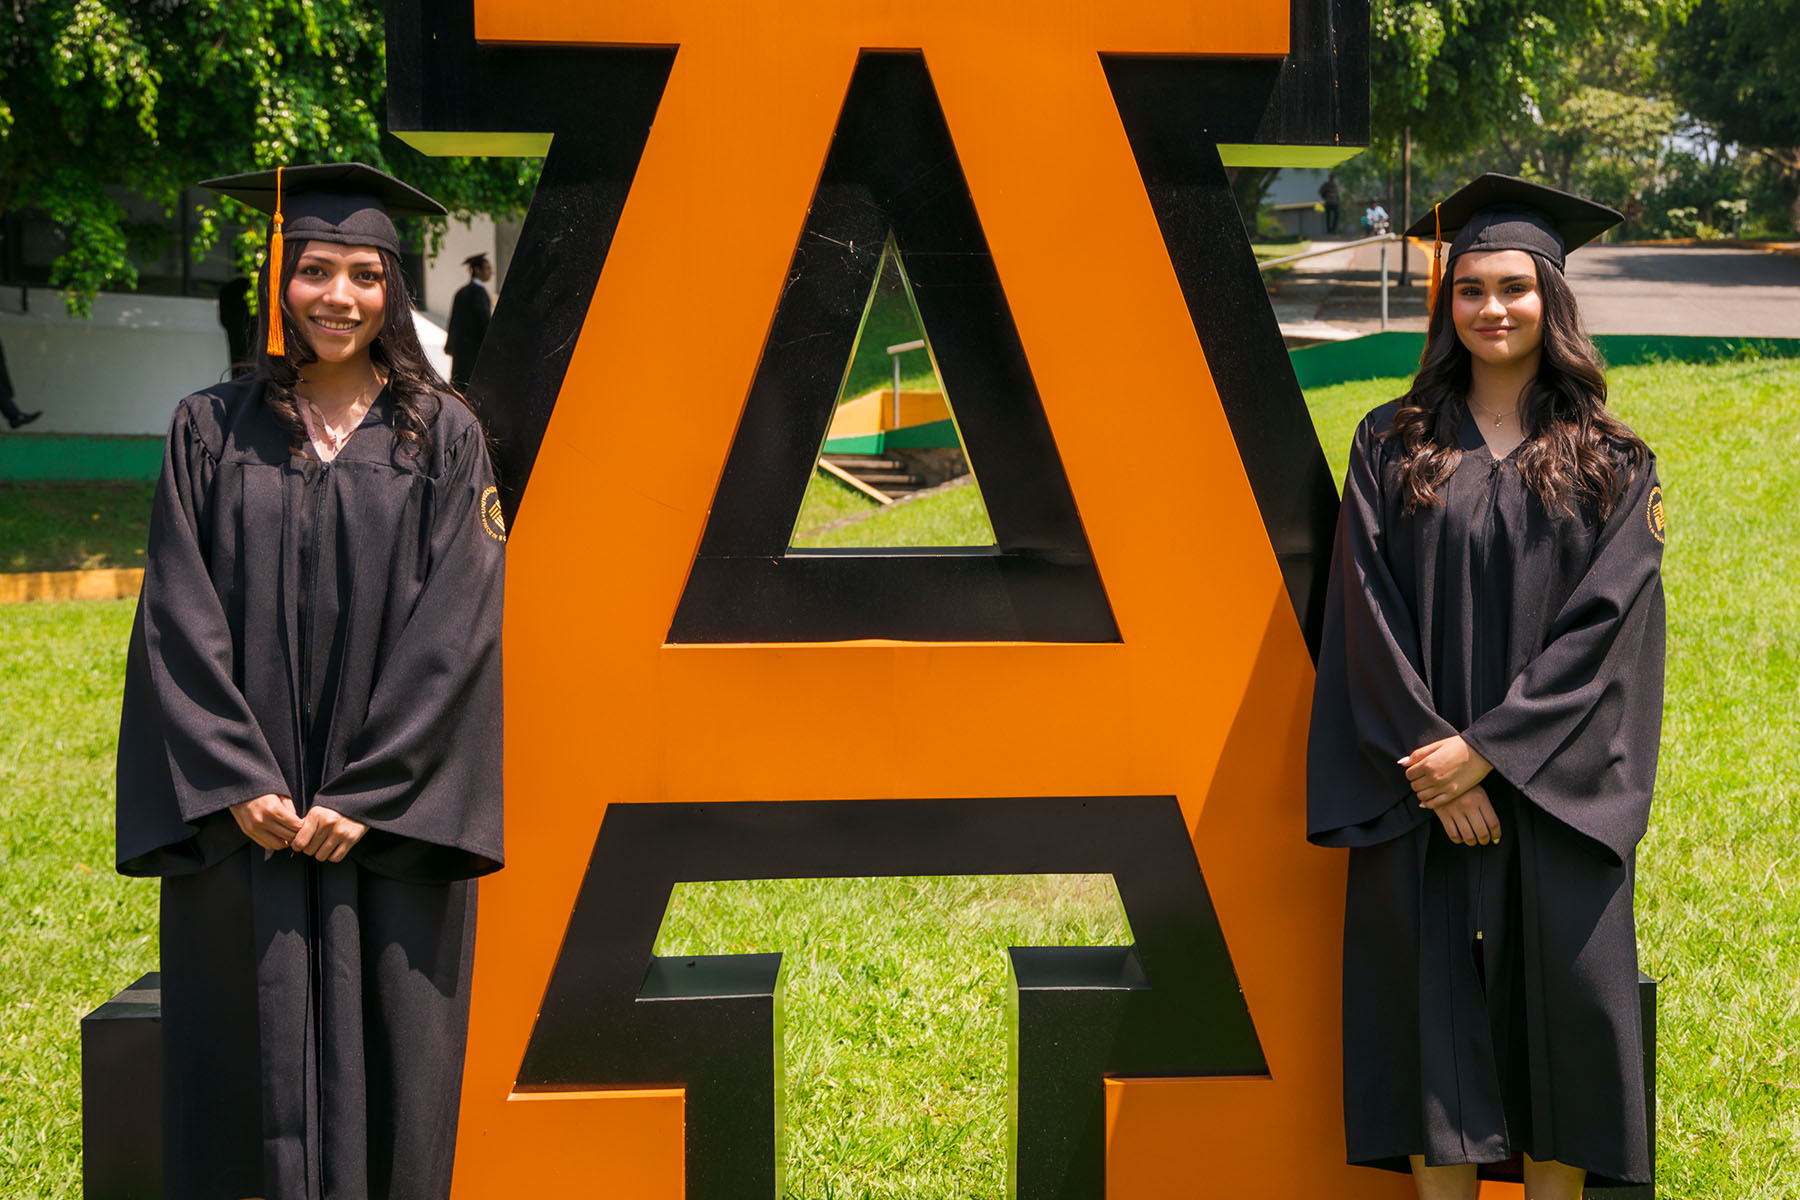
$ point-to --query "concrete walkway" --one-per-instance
(1701, 290)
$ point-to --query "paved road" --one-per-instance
(1623, 289)
(1687, 289)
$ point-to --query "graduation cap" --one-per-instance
(1501, 212)
(352, 204)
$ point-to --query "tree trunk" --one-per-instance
(1405, 203)
(1249, 187)
(1790, 185)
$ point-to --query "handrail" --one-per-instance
(894, 353)
(1382, 238)
(1266, 263)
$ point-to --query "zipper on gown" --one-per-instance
(314, 926)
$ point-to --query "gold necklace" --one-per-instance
(1499, 418)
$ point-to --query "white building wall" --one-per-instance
(123, 370)
(1298, 185)
(445, 273)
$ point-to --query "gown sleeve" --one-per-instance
(189, 745)
(1579, 729)
(1371, 705)
(424, 769)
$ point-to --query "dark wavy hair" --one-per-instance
(1574, 452)
(414, 386)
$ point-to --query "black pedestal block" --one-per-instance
(121, 1095)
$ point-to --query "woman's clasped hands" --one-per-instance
(1446, 776)
(323, 833)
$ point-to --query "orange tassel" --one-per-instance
(277, 341)
(1437, 256)
(1437, 274)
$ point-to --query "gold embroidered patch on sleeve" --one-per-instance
(1653, 513)
(493, 522)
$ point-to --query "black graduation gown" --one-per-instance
(470, 313)
(1490, 993)
(328, 632)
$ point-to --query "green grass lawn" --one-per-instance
(1267, 250)
(73, 527)
(1264, 250)
(892, 319)
(828, 498)
(870, 1017)
(71, 931)
(956, 517)
(896, 1046)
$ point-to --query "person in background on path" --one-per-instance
(1375, 218)
(469, 316)
(1328, 192)
(234, 315)
(8, 409)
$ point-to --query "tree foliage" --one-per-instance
(1463, 73)
(1617, 99)
(1733, 67)
(100, 97)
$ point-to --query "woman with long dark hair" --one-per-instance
(1485, 729)
(309, 751)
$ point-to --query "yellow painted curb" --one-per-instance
(119, 584)
(1791, 248)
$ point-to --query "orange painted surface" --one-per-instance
(1205, 698)
(626, 1142)
(1236, 27)
(873, 412)
(1163, 1139)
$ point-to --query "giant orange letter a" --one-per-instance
(1130, 657)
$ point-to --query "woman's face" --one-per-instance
(338, 296)
(1496, 305)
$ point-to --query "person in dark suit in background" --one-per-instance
(469, 316)
(8, 409)
(234, 315)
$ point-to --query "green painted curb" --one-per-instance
(1630, 349)
(1374, 356)
(933, 435)
(1396, 354)
(33, 457)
